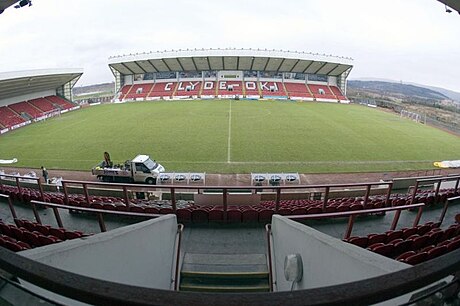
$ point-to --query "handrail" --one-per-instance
(100, 212)
(446, 206)
(268, 230)
(352, 214)
(10, 204)
(95, 291)
(225, 190)
(180, 229)
(229, 187)
(21, 177)
(437, 180)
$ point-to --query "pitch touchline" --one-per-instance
(344, 162)
(300, 162)
(229, 139)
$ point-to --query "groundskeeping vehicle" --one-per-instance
(141, 169)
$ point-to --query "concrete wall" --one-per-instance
(326, 260)
(141, 254)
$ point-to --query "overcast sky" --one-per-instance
(403, 40)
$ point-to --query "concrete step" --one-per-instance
(192, 286)
(224, 273)
(226, 259)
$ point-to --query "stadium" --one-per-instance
(274, 187)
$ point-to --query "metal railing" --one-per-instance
(326, 188)
(352, 215)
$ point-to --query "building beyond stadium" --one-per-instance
(231, 73)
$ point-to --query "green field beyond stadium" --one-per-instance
(233, 137)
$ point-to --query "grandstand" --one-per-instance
(231, 73)
(28, 96)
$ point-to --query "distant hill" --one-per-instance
(96, 88)
(397, 89)
(453, 95)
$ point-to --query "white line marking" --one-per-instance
(229, 139)
(338, 162)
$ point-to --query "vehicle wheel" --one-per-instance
(150, 181)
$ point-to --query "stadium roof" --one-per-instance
(4, 4)
(17, 83)
(231, 59)
(455, 4)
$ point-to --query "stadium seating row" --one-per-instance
(230, 89)
(26, 235)
(18, 113)
(187, 208)
(412, 245)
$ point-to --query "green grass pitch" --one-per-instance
(233, 137)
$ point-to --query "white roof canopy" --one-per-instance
(231, 59)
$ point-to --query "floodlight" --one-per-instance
(448, 10)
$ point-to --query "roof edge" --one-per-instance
(11, 75)
(231, 52)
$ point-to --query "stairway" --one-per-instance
(224, 273)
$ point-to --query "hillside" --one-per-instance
(397, 90)
(96, 88)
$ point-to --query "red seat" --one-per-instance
(457, 218)
(32, 239)
(384, 250)
(45, 240)
(109, 206)
(265, 215)
(407, 232)
(402, 247)
(17, 233)
(356, 206)
(376, 238)
(284, 211)
(216, 214)
(234, 215)
(19, 222)
(392, 235)
(6, 230)
(405, 255)
(455, 244)
(250, 215)
(24, 245)
(73, 234)
(97, 206)
(58, 232)
(166, 210)
(423, 229)
(136, 208)
(151, 210)
(314, 210)
(44, 229)
(299, 211)
(417, 258)
(359, 241)
(200, 215)
(420, 242)
(437, 251)
(184, 215)
(13, 246)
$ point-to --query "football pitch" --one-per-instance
(228, 136)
